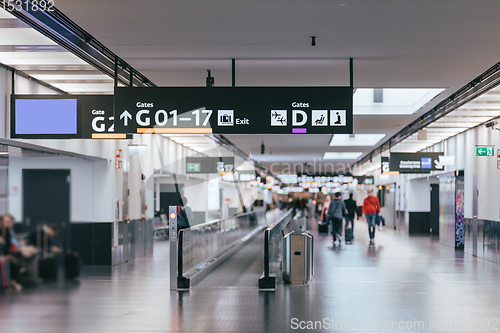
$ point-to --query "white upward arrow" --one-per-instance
(125, 114)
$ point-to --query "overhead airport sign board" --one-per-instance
(240, 176)
(220, 165)
(385, 165)
(485, 150)
(415, 162)
(62, 117)
(234, 110)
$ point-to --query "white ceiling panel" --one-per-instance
(23, 36)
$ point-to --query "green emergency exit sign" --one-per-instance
(485, 151)
(193, 167)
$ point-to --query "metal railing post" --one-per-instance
(266, 254)
(172, 227)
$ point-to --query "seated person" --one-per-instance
(42, 239)
(10, 247)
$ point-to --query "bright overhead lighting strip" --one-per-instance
(341, 155)
(355, 139)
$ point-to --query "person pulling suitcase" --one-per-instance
(351, 208)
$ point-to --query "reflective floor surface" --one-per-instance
(401, 284)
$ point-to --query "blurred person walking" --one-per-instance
(350, 205)
(336, 213)
(324, 222)
(371, 209)
(351, 208)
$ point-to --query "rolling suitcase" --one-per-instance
(72, 265)
(348, 235)
(4, 273)
(323, 227)
(30, 275)
(47, 268)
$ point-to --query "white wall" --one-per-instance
(91, 187)
(462, 146)
(4, 100)
(419, 196)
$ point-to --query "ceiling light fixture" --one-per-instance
(356, 139)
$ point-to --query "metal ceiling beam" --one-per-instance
(29, 77)
(480, 85)
(62, 30)
(51, 151)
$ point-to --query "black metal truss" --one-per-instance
(62, 30)
(29, 77)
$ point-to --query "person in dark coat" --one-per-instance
(42, 239)
(336, 212)
(350, 205)
(185, 215)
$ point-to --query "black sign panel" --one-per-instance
(220, 165)
(238, 110)
(385, 166)
(97, 116)
(415, 162)
(62, 117)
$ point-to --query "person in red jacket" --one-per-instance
(371, 208)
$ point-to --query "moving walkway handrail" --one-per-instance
(202, 244)
(205, 224)
(272, 235)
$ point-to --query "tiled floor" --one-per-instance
(413, 282)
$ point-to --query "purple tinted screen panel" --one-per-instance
(46, 116)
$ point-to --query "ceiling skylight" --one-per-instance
(391, 101)
(341, 156)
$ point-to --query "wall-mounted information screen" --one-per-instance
(63, 117)
(45, 116)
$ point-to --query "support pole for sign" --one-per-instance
(13, 88)
(233, 70)
(351, 73)
(172, 227)
(131, 84)
(116, 72)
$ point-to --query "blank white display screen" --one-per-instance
(46, 116)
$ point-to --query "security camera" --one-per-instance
(494, 124)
